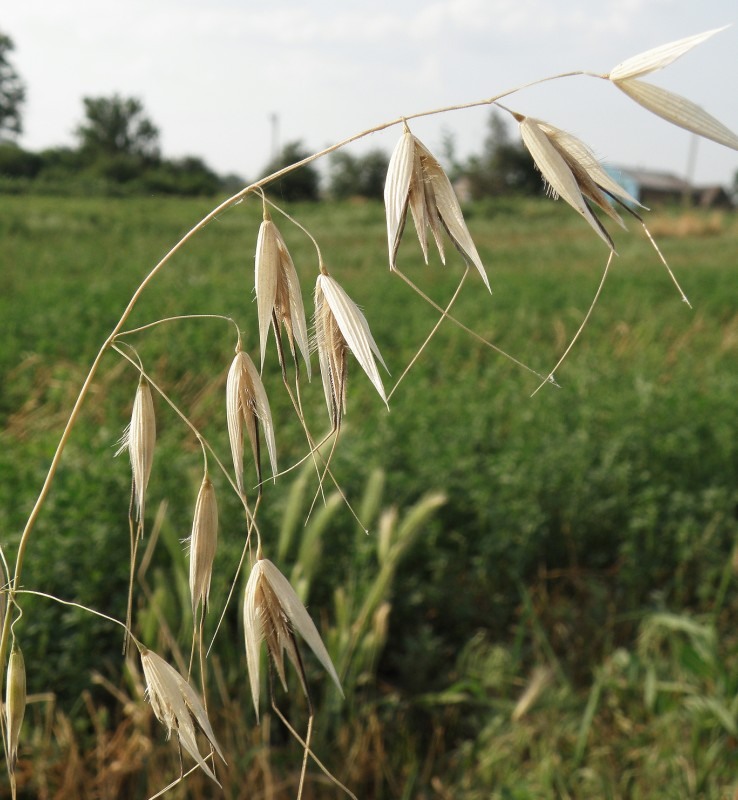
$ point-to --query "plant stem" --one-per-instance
(225, 205)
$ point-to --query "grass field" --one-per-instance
(584, 556)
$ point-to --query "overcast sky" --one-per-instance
(211, 73)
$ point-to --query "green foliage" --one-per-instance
(12, 91)
(302, 184)
(588, 531)
(117, 126)
(188, 176)
(503, 167)
(15, 162)
(118, 155)
(357, 176)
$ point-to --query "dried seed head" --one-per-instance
(572, 172)
(278, 297)
(679, 111)
(658, 57)
(139, 438)
(340, 326)
(272, 612)
(416, 180)
(203, 544)
(176, 704)
(671, 107)
(15, 702)
(247, 407)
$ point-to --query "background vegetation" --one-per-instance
(549, 609)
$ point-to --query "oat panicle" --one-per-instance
(177, 706)
(15, 703)
(573, 173)
(247, 408)
(341, 326)
(139, 438)
(416, 180)
(278, 297)
(203, 543)
(272, 612)
(665, 104)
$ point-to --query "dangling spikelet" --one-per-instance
(203, 544)
(278, 297)
(176, 704)
(139, 438)
(340, 326)
(667, 105)
(416, 180)
(272, 611)
(15, 702)
(247, 406)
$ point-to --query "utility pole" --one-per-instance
(688, 198)
(274, 120)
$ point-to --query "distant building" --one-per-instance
(653, 188)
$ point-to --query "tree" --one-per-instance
(358, 176)
(12, 92)
(184, 176)
(118, 126)
(303, 183)
(504, 166)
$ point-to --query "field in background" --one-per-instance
(562, 625)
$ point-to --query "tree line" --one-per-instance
(118, 152)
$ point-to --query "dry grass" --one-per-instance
(688, 225)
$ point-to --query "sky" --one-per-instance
(227, 80)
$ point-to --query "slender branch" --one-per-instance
(444, 315)
(206, 220)
(549, 378)
(467, 329)
(74, 604)
(146, 282)
(176, 318)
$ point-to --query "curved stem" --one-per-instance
(550, 377)
(444, 315)
(204, 444)
(467, 329)
(176, 318)
(226, 204)
(74, 604)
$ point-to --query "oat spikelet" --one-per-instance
(15, 702)
(339, 327)
(667, 105)
(176, 704)
(139, 438)
(572, 172)
(203, 544)
(278, 296)
(247, 407)
(272, 612)
(416, 180)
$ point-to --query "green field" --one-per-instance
(585, 549)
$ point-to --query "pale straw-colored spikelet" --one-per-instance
(416, 180)
(247, 407)
(176, 704)
(15, 703)
(671, 107)
(340, 325)
(272, 612)
(203, 543)
(278, 297)
(139, 438)
(572, 172)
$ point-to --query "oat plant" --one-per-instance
(272, 612)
